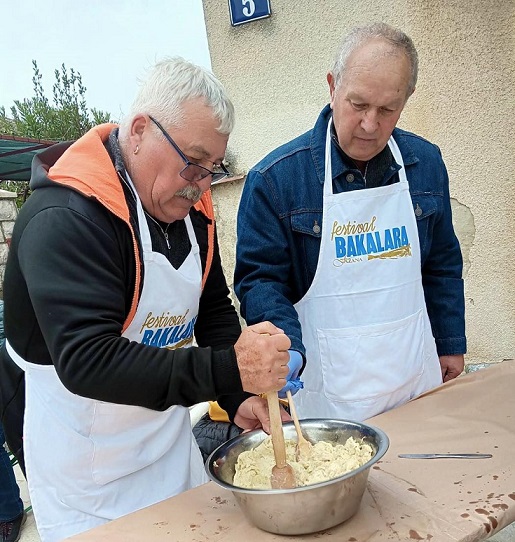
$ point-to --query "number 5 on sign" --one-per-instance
(244, 11)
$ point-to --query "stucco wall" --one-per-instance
(275, 70)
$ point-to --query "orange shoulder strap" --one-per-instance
(205, 206)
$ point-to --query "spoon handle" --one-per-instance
(276, 429)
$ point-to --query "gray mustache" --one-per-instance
(191, 192)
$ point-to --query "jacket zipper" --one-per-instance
(165, 233)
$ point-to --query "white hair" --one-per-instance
(171, 83)
(358, 36)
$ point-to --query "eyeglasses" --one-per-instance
(191, 171)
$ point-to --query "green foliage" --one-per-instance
(7, 125)
(21, 188)
(66, 118)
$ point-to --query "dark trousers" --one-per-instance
(12, 404)
(11, 505)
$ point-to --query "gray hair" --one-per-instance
(171, 83)
(358, 36)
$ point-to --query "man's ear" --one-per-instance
(330, 81)
(138, 126)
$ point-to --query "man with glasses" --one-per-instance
(192, 171)
(114, 269)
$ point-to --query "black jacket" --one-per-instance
(73, 278)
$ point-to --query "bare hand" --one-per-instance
(452, 366)
(253, 414)
(262, 356)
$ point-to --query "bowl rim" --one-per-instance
(384, 444)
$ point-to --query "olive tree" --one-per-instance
(65, 117)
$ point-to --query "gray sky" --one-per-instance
(110, 42)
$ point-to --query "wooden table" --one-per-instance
(437, 500)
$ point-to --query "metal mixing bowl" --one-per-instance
(306, 509)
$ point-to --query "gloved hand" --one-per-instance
(293, 382)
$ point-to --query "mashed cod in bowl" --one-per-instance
(330, 482)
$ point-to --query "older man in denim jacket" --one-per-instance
(346, 242)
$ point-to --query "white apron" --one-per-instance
(88, 461)
(368, 339)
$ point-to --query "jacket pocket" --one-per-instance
(425, 208)
(366, 362)
(307, 223)
(307, 228)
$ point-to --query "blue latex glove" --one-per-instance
(293, 382)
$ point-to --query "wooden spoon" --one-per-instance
(303, 445)
(282, 473)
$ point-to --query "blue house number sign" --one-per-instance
(244, 11)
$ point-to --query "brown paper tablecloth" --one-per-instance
(437, 500)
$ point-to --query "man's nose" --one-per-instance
(205, 183)
(369, 121)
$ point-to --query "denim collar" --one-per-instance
(339, 164)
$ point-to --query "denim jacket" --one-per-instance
(279, 232)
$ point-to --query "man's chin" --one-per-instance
(174, 213)
(177, 209)
(364, 150)
(187, 204)
(181, 213)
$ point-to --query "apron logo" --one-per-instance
(168, 331)
(355, 242)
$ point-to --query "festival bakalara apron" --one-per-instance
(368, 339)
(96, 461)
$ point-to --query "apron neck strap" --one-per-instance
(144, 232)
(328, 175)
(397, 156)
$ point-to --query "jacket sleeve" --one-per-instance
(442, 280)
(218, 325)
(263, 274)
(76, 269)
